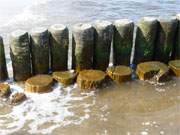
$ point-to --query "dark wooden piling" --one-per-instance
(122, 41)
(20, 55)
(3, 67)
(59, 41)
(103, 39)
(40, 50)
(165, 39)
(176, 52)
(145, 39)
(83, 43)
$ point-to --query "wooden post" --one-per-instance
(103, 39)
(20, 55)
(145, 39)
(3, 67)
(165, 39)
(40, 50)
(83, 38)
(176, 52)
(122, 41)
(59, 41)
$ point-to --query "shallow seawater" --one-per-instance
(132, 108)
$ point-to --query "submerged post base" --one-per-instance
(90, 79)
(65, 77)
(153, 70)
(119, 73)
(39, 84)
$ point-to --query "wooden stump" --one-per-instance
(59, 41)
(4, 90)
(39, 84)
(40, 50)
(83, 42)
(90, 79)
(65, 77)
(3, 67)
(145, 39)
(17, 98)
(166, 39)
(122, 41)
(153, 70)
(175, 67)
(119, 73)
(20, 55)
(103, 39)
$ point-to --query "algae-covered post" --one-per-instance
(176, 53)
(20, 55)
(145, 39)
(59, 41)
(40, 50)
(103, 39)
(122, 41)
(83, 36)
(3, 67)
(165, 39)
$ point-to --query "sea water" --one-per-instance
(132, 108)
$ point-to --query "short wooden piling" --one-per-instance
(59, 41)
(3, 67)
(103, 39)
(20, 55)
(145, 39)
(40, 50)
(83, 40)
(176, 53)
(122, 41)
(165, 39)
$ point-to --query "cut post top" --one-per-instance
(123, 22)
(148, 19)
(57, 28)
(167, 19)
(82, 27)
(39, 31)
(18, 33)
(101, 24)
(178, 16)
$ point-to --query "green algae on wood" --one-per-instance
(176, 51)
(119, 73)
(153, 70)
(103, 39)
(122, 41)
(59, 41)
(175, 67)
(83, 40)
(20, 55)
(3, 67)
(65, 77)
(39, 84)
(17, 98)
(91, 79)
(4, 90)
(145, 39)
(40, 50)
(165, 39)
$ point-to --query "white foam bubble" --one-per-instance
(40, 109)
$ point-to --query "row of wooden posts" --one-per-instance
(44, 50)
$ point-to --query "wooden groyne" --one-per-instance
(44, 50)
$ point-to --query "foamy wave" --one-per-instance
(42, 113)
